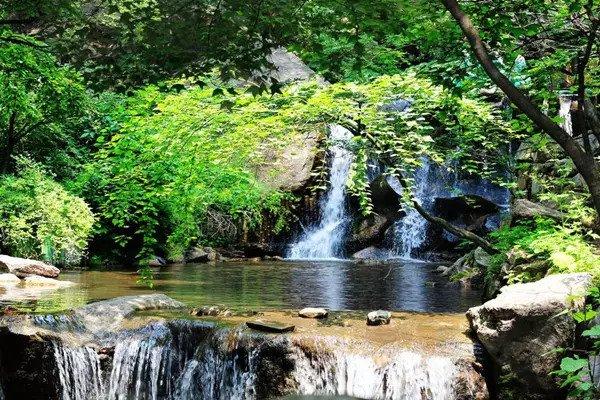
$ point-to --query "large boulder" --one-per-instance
(371, 230)
(371, 253)
(522, 326)
(525, 209)
(199, 254)
(288, 67)
(23, 267)
(108, 314)
(289, 167)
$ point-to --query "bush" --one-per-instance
(40, 219)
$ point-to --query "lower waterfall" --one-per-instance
(185, 361)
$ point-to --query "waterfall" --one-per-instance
(407, 376)
(184, 361)
(564, 112)
(79, 372)
(432, 181)
(324, 240)
(411, 231)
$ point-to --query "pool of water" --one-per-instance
(400, 286)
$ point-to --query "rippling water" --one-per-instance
(278, 285)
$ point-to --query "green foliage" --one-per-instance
(173, 169)
(39, 219)
(460, 132)
(576, 371)
(43, 108)
(564, 247)
(351, 40)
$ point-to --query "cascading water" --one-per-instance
(433, 182)
(564, 112)
(324, 240)
(184, 361)
(408, 375)
(79, 372)
(411, 231)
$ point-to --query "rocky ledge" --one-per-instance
(523, 326)
(83, 355)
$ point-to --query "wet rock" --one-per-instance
(469, 383)
(108, 314)
(370, 231)
(523, 325)
(525, 209)
(312, 312)
(40, 281)
(201, 255)
(9, 279)
(379, 317)
(371, 253)
(211, 311)
(28, 367)
(23, 267)
(270, 326)
(157, 262)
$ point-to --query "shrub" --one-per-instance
(40, 219)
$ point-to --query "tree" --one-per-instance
(584, 161)
(42, 106)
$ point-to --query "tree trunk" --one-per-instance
(9, 144)
(584, 162)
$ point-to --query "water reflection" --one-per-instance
(279, 285)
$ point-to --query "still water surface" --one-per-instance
(277, 285)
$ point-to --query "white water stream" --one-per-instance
(324, 240)
(154, 364)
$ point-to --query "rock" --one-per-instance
(289, 67)
(398, 105)
(9, 279)
(379, 317)
(211, 311)
(23, 267)
(108, 314)
(42, 281)
(469, 211)
(312, 312)
(270, 326)
(482, 259)
(525, 209)
(289, 168)
(462, 264)
(371, 253)
(201, 255)
(522, 326)
(157, 262)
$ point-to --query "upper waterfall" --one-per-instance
(324, 240)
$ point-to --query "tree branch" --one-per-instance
(584, 162)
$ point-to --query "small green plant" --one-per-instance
(146, 277)
(579, 366)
